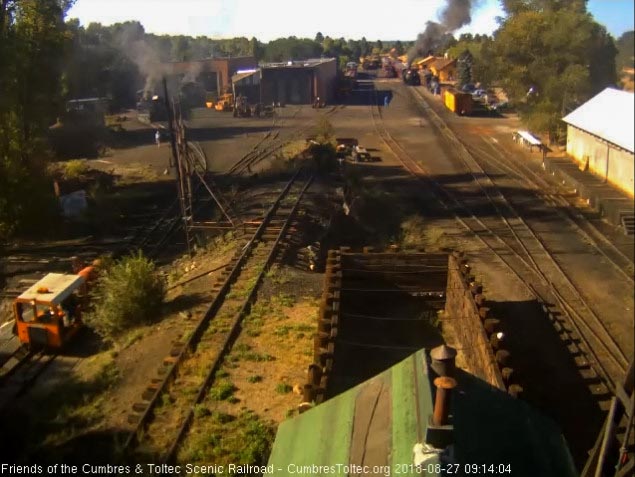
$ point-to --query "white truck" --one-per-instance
(360, 154)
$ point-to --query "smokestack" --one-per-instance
(454, 15)
(443, 360)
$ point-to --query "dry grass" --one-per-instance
(284, 333)
(255, 385)
(416, 233)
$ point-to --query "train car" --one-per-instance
(49, 313)
(410, 77)
(351, 70)
(458, 102)
(151, 109)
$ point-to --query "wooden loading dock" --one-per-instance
(379, 307)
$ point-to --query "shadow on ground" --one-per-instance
(546, 370)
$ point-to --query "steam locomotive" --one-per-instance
(410, 77)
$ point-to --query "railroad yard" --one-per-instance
(247, 336)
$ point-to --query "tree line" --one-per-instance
(113, 61)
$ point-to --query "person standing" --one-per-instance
(157, 138)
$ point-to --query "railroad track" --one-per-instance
(518, 246)
(164, 418)
(259, 153)
(256, 151)
(20, 372)
(544, 190)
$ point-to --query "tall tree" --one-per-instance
(355, 49)
(33, 42)
(364, 46)
(625, 51)
(556, 49)
(465, 62)
(515, 7)
(255, 48)
(319, 37)
(181, 48)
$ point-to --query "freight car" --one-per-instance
(410, 77)
(458, 102)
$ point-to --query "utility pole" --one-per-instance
(186, 211)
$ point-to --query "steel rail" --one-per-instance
(524, 175)
(263, 154)
(137, 434)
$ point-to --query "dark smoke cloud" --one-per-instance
(454, 15)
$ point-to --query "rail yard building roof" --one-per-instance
(310, 63)
(609, 116)
(382, 424)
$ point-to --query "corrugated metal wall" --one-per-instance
(605, 160)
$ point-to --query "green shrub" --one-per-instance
(75, 169)
(284, 388)
(222, 391)
(127, 294)
(258, 357)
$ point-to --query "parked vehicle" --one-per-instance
(225, 102)
(360, 154)
(345, 146)
(49, 313)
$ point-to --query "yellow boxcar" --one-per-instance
(458, 102)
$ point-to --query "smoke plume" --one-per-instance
(131, 41)
(454, 15)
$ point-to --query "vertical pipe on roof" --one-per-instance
(441, 412)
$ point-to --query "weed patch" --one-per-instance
(222, 391)
(245, 439)
(283, 388)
